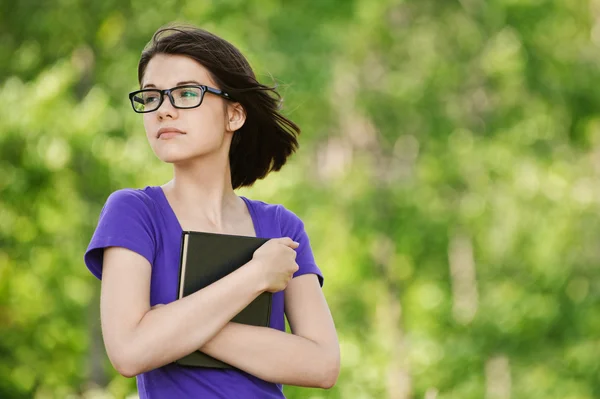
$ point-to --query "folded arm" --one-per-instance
(138, 338)
(309, 357)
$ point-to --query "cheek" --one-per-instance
(148, 125)
(206, 124)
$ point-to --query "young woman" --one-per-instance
(205, 113)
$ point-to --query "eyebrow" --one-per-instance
(186, 82)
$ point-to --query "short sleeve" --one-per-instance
(125, 221)
(293, 227)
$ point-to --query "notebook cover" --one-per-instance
(208, 257)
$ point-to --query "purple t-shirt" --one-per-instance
(143, 221)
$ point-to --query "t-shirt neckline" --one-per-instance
(169, 210)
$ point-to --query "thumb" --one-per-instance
(289, 242)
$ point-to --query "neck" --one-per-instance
(202, 190)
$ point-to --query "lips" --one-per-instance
(167, 132)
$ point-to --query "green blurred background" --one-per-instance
(448, 175)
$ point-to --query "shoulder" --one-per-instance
(128, 204)
(127, 198)
(129, 195)
(126, 220)
(288, 220)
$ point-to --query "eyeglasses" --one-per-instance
(183, 97)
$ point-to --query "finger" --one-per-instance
(289, 242)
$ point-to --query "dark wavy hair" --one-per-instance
(267, 138)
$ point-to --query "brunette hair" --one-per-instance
(267, 138)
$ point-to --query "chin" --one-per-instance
(174, 157)
(170, 156)
(169, 160)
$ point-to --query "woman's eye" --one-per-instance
(188, 93)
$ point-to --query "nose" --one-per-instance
(166, 108)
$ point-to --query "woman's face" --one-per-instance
(205, 129)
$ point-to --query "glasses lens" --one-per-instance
(146, 101)
(187, 97)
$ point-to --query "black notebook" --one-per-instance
(208, 257)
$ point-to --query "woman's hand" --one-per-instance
(275, 260)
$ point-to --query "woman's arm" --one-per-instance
(139, 339)
(309, 357)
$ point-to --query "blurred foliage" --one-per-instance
(448, 177)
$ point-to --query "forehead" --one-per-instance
(165, 70)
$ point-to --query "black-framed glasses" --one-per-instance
(183, 97)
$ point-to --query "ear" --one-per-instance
(236, 116)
